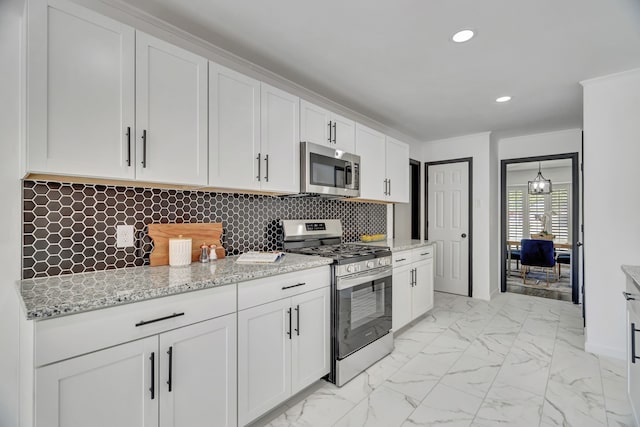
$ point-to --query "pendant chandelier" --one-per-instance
(540, 185)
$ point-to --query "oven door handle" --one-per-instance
(347, 282)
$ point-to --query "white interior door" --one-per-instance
(448, 225)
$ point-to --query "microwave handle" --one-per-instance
(350, 184)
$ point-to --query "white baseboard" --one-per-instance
(603, 350)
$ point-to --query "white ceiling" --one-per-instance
(394, 61)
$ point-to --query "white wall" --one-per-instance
(611, 204)
(541, 144)
(478, 147)
(10, 233)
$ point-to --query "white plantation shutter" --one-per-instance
(536, 207)
(560, 221)
(515, 214)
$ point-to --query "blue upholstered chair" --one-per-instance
(536, 253)
(515, 256)
(563, 258)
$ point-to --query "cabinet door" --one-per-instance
(81, 92)
(401, 296)
(171, 113)
(234, 129)
(102, 389)
(280, 140)
(344, 133)
(370, 146)
(397, 171)
(314, 124)
(311, 349)
(264, 358)
(633, 369)
(422, 298)
(202, 362)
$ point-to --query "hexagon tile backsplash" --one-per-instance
(71, 228)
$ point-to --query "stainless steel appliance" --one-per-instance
(329, 172)
(360, 296)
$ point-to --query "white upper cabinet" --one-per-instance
(234, 129)
(80, 92)
(321, 126)
(397, 171)
(384, 166)
(254, 133)
(370, 146)
(171, 113)
(280, 141)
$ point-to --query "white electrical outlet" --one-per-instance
(124, 236)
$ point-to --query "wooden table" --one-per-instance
(516, 243)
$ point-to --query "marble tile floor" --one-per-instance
(517, 361)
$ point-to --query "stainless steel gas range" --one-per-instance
(360, 298)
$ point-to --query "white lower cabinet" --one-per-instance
(139, 365)
(199, 363)
(283, 346)
(633, 348)
(412, 285)
(103, 389)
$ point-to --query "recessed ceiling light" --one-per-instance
(463, 36)
(503, 99)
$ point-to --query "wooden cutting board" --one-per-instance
(208, 234)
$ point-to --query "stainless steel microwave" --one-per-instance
(327, 171)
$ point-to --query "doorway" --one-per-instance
(449, 223)
(529, 216)
(406, 216)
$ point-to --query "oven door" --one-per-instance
(363, 308)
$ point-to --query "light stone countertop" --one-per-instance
(398, 245)
(633, 271)
(75, 293)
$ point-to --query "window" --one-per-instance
(560, 221)
(515, 220)
(522, 209)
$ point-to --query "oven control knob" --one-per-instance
(380, 261)
(349, 268)
(370, 264)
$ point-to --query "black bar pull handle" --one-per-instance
(334, 132)
(152, 389)
(329, 131)
(144, 148)
(298, 320)
(170, 380)
(633, 342)
(159, 319)
(289, 314)
(389, 187)
(426, 253)
(628, 296)
(401, 259)
(266, 164)
(415, 277)
(294, 286)
(259, 164)
(128, 146)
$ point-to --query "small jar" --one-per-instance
(204, 253)
(212, 252)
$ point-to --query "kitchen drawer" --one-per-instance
(64, 337)
(425, 252)
(261, 291)
(400, 259)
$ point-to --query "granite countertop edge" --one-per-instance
(633, 271)
(36, 309)
(398, 245)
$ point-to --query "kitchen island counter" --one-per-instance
(398, 245)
